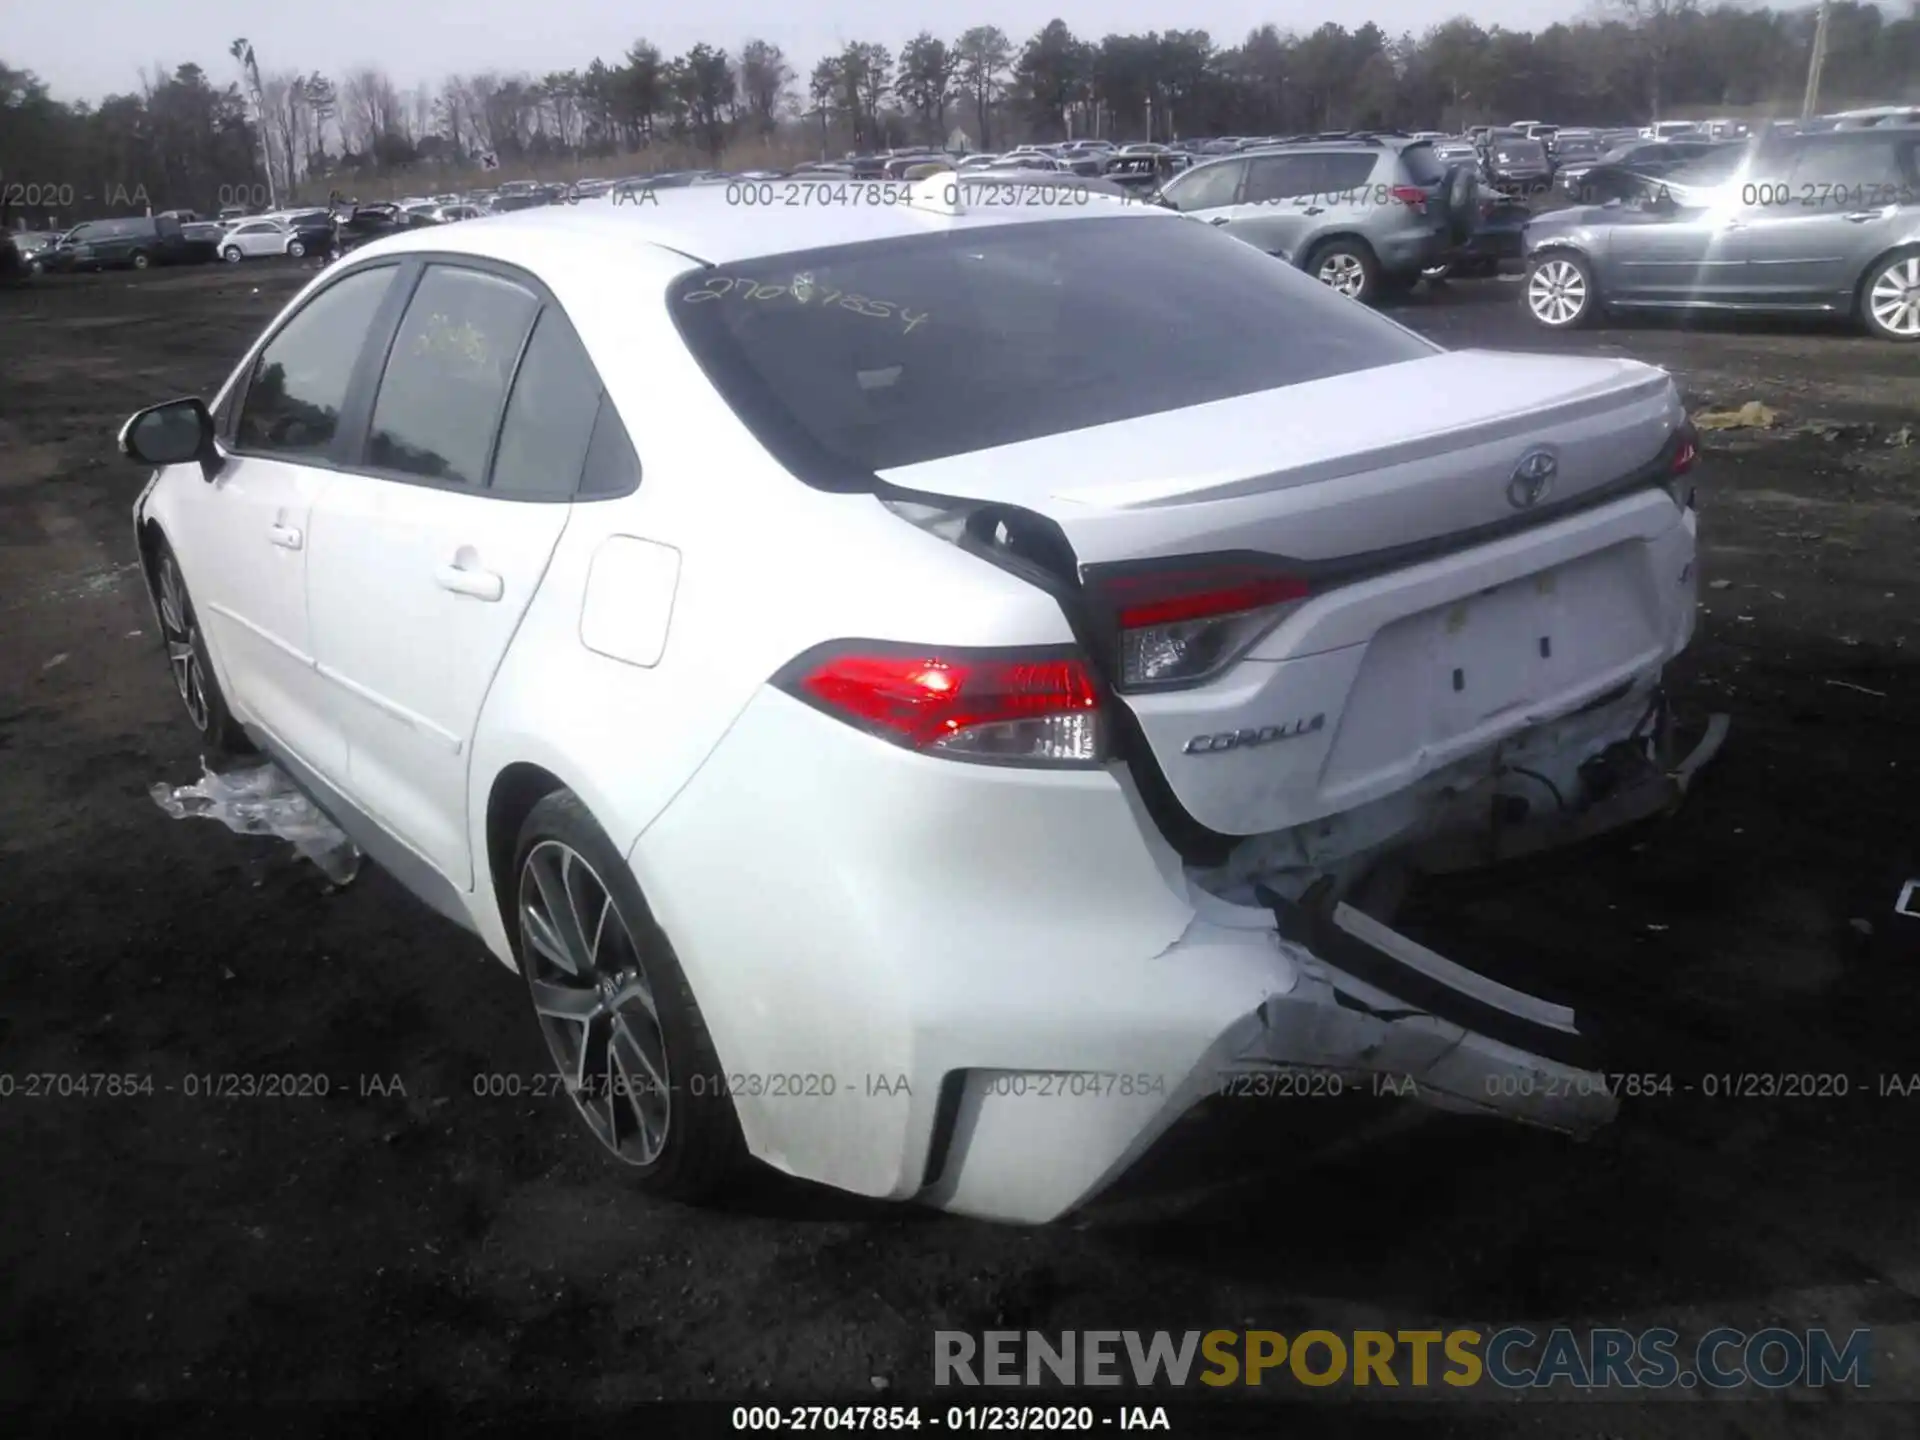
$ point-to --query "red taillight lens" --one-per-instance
(1685, 452)
(1411, 195)
(1034, 709)
(1180, 627)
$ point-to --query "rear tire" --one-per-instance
(1890, 298)
(192, 667)
(139, 260)
(623, 1016)
(1347, 266)
(1559, 291)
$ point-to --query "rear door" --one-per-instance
(1278, 203)
(1841, 203)
(428, 549)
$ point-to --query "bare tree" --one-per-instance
(1658, 25)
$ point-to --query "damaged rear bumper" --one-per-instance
(1348, 997)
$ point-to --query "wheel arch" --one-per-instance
(1310, 252)
(510, 799)
(1909, 246)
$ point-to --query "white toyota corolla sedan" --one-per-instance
(926, 693)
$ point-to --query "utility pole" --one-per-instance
(1817, 62)
(242, 51)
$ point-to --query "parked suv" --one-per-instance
(1827, 222)
(1518, 163)
(1364, 215)
(138, 241)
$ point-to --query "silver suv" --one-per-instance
(1814, 223)
(1365, 215)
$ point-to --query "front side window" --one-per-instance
(447, 374)
(894, 352)
(1207, 187)
(299, 382)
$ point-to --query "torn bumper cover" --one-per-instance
(1343, 994)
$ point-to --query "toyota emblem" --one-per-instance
(1532, 479)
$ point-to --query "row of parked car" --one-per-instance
(184, 237)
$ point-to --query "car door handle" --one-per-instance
(480, 584)
(1314, 210)
(1861, 217)
(1220, 220)
(287, 537)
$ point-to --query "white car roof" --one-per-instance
(700, 223)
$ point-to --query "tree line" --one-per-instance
(190, 138)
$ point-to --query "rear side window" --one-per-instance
(866, 357)
(1278, 177)
(446, 376)
(1422, 165)
(550, 415)
(1338, 174)
(299, 382)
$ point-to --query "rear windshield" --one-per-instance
(1507, 149)
(864, 357)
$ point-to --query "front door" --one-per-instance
(244, 537)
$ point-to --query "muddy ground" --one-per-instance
(428, 1248)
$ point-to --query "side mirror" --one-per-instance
(172, 434)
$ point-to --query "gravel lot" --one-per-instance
(430, 1247)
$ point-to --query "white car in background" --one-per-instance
(254, 239)
(923, 692)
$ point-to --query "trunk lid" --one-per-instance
(1436, 566)
(1377, 459)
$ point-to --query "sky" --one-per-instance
(103, 48)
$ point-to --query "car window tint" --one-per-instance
(550, 415)
(1278, 177)
(915, 348)
(1828, 172)
(1208, 187)
(299, 383)
(1340, 175)
(612, 467)
(447, 374)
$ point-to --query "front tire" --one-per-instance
(1890, 298)
(1559, 292)
(1348, 267)
(139, 260)
(619, 1018)
(190, 663)
(231, 255)
(295, 249)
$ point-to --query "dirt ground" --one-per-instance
(407, 1247)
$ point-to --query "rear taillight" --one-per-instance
(1181, 627)
(1039, 707)
(1411, 195)
(1686, 451)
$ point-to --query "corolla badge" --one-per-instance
(1263, 735)
(1532, 479)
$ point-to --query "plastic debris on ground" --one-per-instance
(261, 800)
(1751, 416)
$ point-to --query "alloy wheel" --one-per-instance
(595, 1002)
(1895, 298)
(1556, 292)
(1343, 272)
(183, 649)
